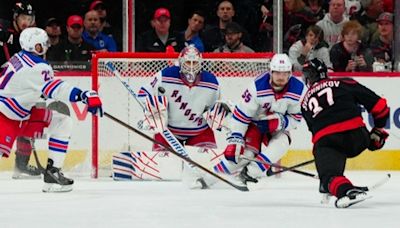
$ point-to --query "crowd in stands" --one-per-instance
(348, 35)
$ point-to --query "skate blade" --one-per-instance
(56, 188)
(326, 197)
(346, 202)
(20, 176)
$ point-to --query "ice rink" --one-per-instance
(289, 201)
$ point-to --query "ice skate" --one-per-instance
(22, 170)
(245, 177)
(55, 181)
(352, 197)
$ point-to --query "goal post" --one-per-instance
(233, 70)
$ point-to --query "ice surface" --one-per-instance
(290, 201)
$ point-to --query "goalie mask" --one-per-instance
(190, 60)
(33, 36)
(313, 71)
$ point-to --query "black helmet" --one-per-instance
(314, 70)
(23, 8)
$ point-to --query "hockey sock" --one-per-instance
(58, 149)
(339, 185)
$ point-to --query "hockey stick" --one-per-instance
(376, 185)
(180, 155)
(40, 167)
(271, 173)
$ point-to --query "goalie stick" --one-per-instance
(182, 156)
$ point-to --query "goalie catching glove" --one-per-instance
(92, 99)
(235, 147)
(378, 138)
(156, 113)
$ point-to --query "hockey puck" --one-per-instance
(161, 90)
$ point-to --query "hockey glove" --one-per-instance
(40, 118)
(235, 147)
(92, 99)
(378, 138)
(272, 123)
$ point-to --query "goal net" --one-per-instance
(234, 72)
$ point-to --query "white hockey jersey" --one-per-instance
(259, 99)
(186, 104)
(25, 80)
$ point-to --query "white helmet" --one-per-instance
(281, 63)
(190, 60)
(30, 37)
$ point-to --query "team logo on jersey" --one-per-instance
(8, 139)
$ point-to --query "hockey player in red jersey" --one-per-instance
(331, 108)
(24, 81)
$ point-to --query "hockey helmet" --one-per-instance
(30, 37)
(23, 8)
(281, 63)
(190, 60)
(314, 70)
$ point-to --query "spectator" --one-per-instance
(315, 7)
(382, 47)
(94, 36)
(313, 46)
(264, 38)
(191, 34)
(233, 43)
(23, 17)
(53, 30)
(157, 39)
(388, 6)
(352, 7)
(350, 54)
(106, 27)
(73, 48)
(213, 36)
(367, 18)
(333, 22)
(296, 20)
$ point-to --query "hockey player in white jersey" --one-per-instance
(178, 96)
(269, 108)
(24, 81)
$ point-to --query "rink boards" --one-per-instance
(115, 139)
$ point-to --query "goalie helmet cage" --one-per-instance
(232, 70)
